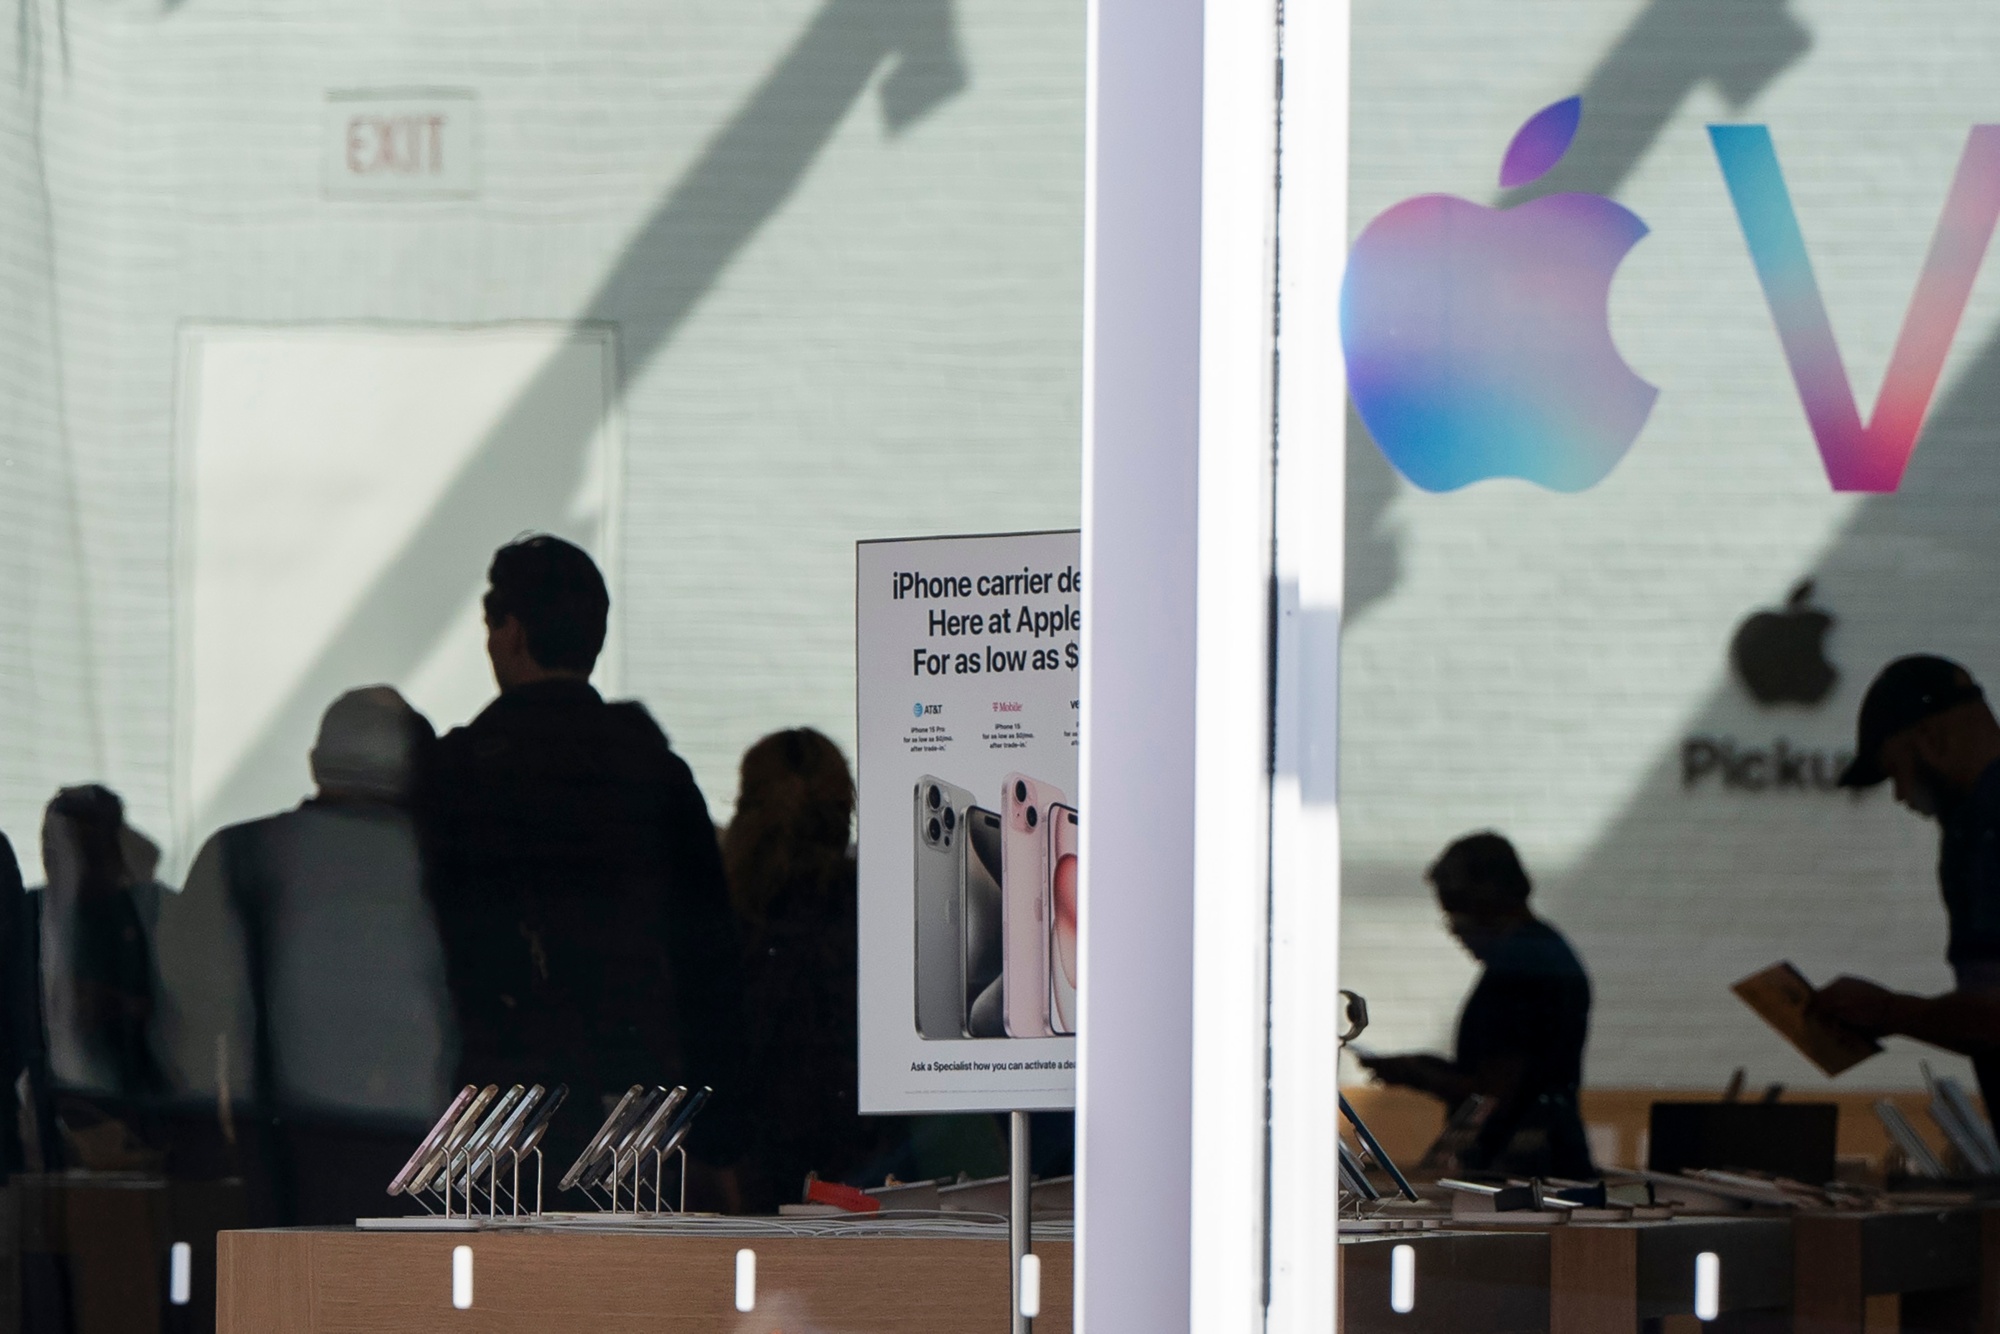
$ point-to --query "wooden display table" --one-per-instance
(660, 1282)
(1466, 1282)
(1604, 1278)
(1931, 1259)
(90, 1252)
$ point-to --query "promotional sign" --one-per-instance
(966, 653)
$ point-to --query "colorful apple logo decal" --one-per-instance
(1478, 339)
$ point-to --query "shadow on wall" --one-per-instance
(1707, 875)
(49, 710)
(1374, 539)
(1672, 48)
(1669, 50)
(524, 474)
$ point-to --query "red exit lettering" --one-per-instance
(404, 145)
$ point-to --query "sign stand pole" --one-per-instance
(1018, 1205)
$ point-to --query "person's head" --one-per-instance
(82, 848)
(794, 806)
(1482, 888)
(546, 610)
(1925, 727)
(371, 744)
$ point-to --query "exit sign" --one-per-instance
(400, 144)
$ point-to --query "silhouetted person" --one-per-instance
(21, 1048)
(1522, 1031)
(577, 878)
(303, 968)
(792, 885)
(99, 985)
(1925, 726)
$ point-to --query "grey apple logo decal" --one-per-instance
(1780, 653)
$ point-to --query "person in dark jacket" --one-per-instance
(575, 872)
(21, 1046)
(792, 885)
(97, 954)
(1522, 1031)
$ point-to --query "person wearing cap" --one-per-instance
(303, 974)
(1521, 1034)
(1926, 729)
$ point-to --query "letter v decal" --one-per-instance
(1859, 458)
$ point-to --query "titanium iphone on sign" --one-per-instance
(958, 907)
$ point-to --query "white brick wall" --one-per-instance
(884, 335)
(1531, 662)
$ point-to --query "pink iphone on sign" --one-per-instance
(1024, 903)
(1062, 918)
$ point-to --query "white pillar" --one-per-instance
(1212, 496)
(1142, 311)
(1311, 512)
(1233, 661)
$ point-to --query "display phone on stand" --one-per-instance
(940, 841)
(1024, 903)
(431, 1173)
(599, 1141)
(1063, 886)
(457, 1171)
(538, 1124)
(646, 1120)
(434, 1141)
(509, 1131)
(683, 1121)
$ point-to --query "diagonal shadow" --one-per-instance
(1669, 50)
(526, 471)
(1908, 571)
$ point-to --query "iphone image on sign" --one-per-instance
(941, 840)
(1062, 918)
(984, 985)
(1024, 903)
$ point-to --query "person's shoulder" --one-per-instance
(234, 839)
(1538, 949)
(1985, 798)
(491, 718)
(635, 719)
(639, 731)
(245, 831)
(1561, 954)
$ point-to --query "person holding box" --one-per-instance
(1925, 727)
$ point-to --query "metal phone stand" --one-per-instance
(613, 1203)
(447, 1186)
(514, 1190)
(1357, 1024)
(659, 1158)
